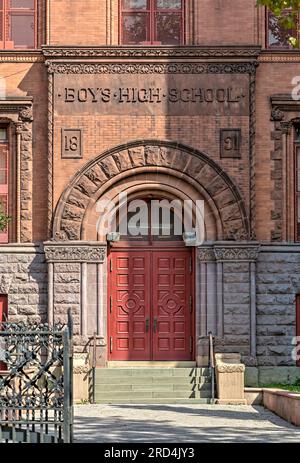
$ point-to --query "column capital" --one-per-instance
(237, 253)
(74, 253)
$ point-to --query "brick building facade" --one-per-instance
(102, 101)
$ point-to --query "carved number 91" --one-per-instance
(71, 143)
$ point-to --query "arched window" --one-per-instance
(152, 22)
(18, 24)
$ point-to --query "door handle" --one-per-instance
(147, 324)
(155, 325)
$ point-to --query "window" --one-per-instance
(18, 20)
(4, 173)
(278, 36)
(297, 182)
(152, 22)
(151, 220)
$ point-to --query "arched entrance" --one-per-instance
(150, 284)
(140, 169)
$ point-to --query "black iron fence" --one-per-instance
(36, 403)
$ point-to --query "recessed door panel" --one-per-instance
(150, 316)
(171, 306)
(129, 306)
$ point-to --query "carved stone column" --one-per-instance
(206, 297)
(69, 265)
(238, 311)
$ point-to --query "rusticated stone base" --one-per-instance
(23, 278)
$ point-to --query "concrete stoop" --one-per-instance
(138, 385)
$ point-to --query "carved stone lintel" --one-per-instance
(151, 52)
(150, 68)
(206, 254)
(75, 253)
(237, 253)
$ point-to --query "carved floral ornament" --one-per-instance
(75, 253)
(70, 212)
(151, 52)
(150, 68)
(284, 112)
(228, 254)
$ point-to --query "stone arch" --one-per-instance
(183, 162)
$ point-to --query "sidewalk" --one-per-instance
(179, 424)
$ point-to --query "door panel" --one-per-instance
(149, 311)
(172, 319)
(130, 306)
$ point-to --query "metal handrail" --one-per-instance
(94, 364)
(212, 365)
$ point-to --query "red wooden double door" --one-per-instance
(150, 305)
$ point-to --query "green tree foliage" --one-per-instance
(287, 12)
(4, 219)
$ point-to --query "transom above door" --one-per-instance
(150, 313)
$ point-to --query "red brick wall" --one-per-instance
(77, 22)
(95, 22)
(24, 79)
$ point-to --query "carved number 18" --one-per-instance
(71, 143)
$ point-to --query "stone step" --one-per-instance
(153, 380)
(152, 387)
(154, 401)
(160, 372)
(151, 364)
(132, 395)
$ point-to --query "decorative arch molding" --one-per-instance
(183, 160)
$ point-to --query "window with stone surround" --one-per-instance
(152, 22)
(277, 36)
(18, 19)
(297, 186)
(4, 178)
